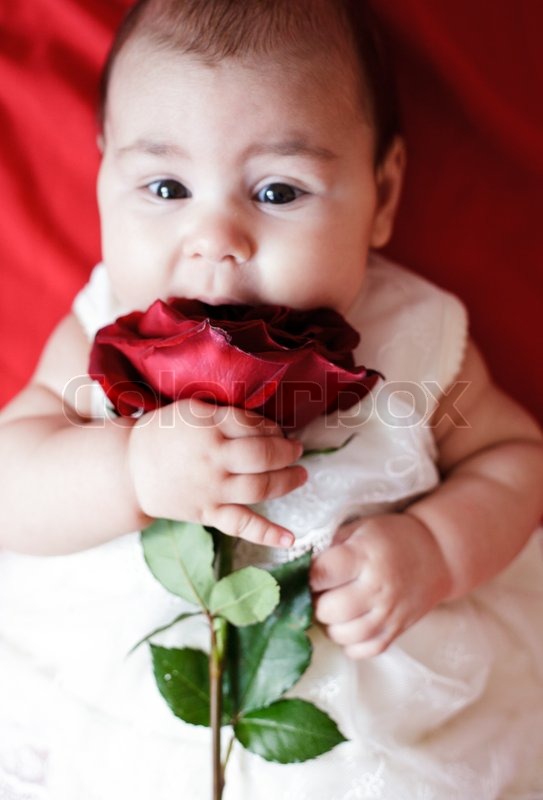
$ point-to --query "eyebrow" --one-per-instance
(153, 148)
(288, 147)
(291, 147)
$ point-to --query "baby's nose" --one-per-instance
(218, 236)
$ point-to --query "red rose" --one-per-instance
(288, 365)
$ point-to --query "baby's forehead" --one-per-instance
(142, 65)
(340, 37)
(242, 110)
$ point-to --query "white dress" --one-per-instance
(453, 710)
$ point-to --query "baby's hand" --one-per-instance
(196, 462)
(380, 576)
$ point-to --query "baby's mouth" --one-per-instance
(219, 301)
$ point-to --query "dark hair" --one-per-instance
(217, 29)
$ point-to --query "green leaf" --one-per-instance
(296, 600)
(270, 661)
(165, 627)
(288, 731)
(327, 450)
(182, 677)
(245, 597)
(180, 556)
(265, 660)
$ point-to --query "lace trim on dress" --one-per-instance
(23, 766)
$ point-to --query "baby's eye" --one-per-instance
(169, 189)
(278, 194)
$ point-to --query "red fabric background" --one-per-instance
(470, 79)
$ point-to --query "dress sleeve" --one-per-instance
(453, 341)
(411, 331)
(95, 305)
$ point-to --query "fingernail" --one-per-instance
(286, 540)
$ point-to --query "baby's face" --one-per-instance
(234, 183)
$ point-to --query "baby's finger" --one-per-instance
(254, 454)
(364, 628)
(340, 606)
(335, 567)
(346, 530)
(236, 422)
(238, 520)
(248, 489)
(370, 648)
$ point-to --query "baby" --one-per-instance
(251, 154)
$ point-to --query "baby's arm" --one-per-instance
(386, 572)
(70, 482)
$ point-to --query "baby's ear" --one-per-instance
(100, 143)
(389, 178)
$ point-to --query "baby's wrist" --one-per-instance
(138, 453)
(437, 567)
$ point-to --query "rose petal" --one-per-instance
(291, 365)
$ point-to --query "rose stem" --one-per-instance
(219, 630)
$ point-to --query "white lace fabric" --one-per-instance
(452, 711)
(23, 729)
(23, 767)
